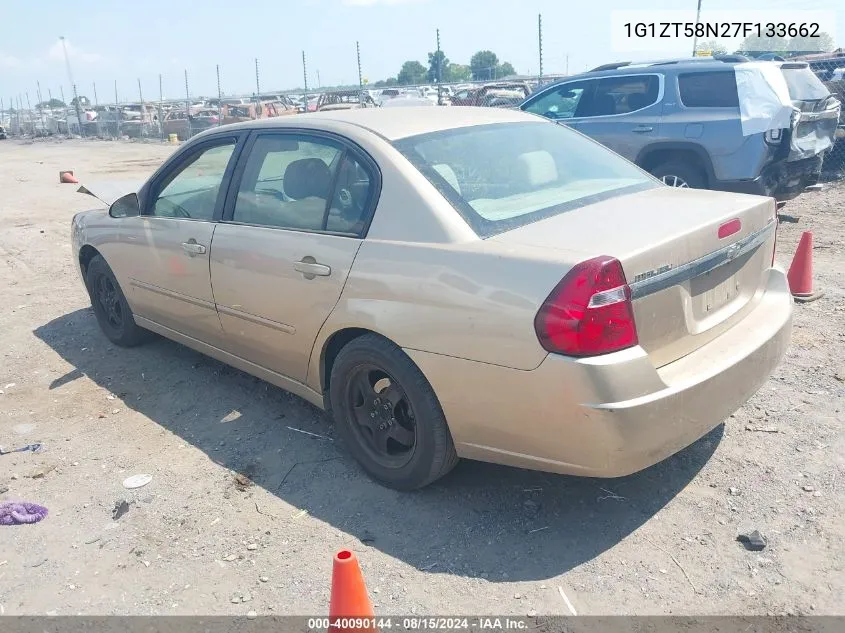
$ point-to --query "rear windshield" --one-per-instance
(505, 175)
(803, 84)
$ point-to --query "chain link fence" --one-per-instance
(830, 69)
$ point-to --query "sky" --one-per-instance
(125, 42)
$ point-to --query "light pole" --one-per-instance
(695, 37)
(73, 84)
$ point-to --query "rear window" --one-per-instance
(803, 84)
(708, 90)
(505, 175)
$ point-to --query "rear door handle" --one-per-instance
(310, 268)
(642, 129)
(192, 248)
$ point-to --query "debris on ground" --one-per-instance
(762, 429)
(753, 542)
(137, 481)
(29, 448)
(21, 513)
(242, 482)
(120, 508)
(734, 492)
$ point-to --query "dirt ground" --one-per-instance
(484, 540)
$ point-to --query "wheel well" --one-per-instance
(331, 349)
(86, 254)
(657, 157)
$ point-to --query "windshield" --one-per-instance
(803, 84)
(502, 176)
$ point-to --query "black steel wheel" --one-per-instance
(110, 306)
(388, 414)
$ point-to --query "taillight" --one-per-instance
(589, 312)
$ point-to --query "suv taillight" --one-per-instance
(589, 312)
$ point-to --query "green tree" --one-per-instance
(434, 59)
(821, 44)
(412, 72)
(383, 83)
(483, 65)
(505, 70)
(52, 103)
(755, 46)
(457, 72)
(711, 47)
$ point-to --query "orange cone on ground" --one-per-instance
(67, 177)
(800, 273)
(349, 598)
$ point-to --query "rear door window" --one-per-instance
(708, 90)
(621, 95)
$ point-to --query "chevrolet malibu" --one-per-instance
(451, 282)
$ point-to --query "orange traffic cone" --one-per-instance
(800, 273)
(67, 177)
(349, 608)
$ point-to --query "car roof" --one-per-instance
(396, 123)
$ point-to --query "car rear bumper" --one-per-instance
(783, 180)
(611, 415)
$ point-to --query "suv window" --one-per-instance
(560, 102)
(190, 191)
(803, 84)
(303, 183)
(715, 89)
(621, 95)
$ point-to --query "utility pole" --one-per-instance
(438, 70)
(73, 85)
(360, 76)
(697, 20)
(540, 41)
(219, 99)
(319, 81)
(305, 79)
(258, 108)
(117, 109)
(187, 106)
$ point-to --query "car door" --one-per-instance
(296, 212)
(169, 242)
(623, 112)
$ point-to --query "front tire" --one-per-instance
(110, 306)
(388, 415)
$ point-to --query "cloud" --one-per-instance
(56, 53)
(9, 61)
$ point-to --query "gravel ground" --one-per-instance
(484, 540)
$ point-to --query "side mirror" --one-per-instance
(125, 207)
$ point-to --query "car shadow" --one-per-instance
(482, 520)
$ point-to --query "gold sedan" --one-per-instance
(451, 282)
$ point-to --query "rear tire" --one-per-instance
(110, 306)
(675, 172)
(376, 391)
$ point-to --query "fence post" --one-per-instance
(540, 42)
(258, 108)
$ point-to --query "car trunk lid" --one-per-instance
(695, 260)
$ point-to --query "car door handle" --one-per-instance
(642, 129)
(192, 248)
(312, 268)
